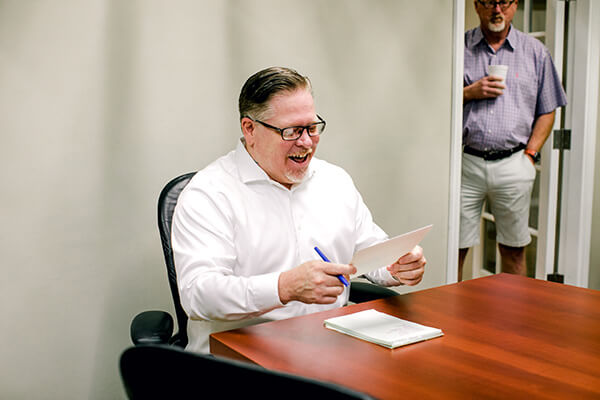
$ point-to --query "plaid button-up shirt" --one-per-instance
(533, 88)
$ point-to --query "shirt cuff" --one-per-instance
(382, 277)
(264, 291)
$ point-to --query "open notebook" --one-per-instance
(380, 328)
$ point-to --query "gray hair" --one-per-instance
(261, 87)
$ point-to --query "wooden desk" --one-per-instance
(506, 337)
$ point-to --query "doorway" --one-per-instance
(545, 20)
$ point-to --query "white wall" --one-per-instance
(594, 277)
(102, 102)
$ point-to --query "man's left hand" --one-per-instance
(530, 159)
(409, 268)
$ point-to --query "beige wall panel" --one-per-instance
(102, 102)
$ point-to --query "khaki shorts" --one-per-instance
(506, 184)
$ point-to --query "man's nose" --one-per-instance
(304, 140)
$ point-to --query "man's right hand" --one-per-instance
(313, 282)
(488, 87)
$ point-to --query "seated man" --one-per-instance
(245, 227)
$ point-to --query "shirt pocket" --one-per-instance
(526, 82)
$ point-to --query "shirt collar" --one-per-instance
(512, 39)
(250, 171)
(477, 37)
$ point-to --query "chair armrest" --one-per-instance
(363, 291)
(151, 327)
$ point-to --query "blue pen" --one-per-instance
(340, 277)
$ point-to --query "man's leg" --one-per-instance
(509, 202)
(472, 194)
(462, 254)
(513, 260)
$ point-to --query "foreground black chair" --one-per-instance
(156, 327)
(167, 372)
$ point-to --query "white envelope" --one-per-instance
(386, 253)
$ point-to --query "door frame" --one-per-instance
(583, 73)
(580, 116)
(458, 34)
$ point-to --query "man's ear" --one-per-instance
(248, 130)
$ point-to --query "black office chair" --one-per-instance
(156, 327)
(168, 372)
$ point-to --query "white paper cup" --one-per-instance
(498, 70)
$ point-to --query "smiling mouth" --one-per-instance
(301, 157)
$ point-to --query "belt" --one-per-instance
(491, 155)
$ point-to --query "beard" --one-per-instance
(498, 26)
(296, 177)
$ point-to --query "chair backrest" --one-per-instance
(166, 206)
(168, 372)
(359, 291)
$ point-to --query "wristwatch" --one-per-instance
(535, 156)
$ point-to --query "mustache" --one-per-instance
(302, 153)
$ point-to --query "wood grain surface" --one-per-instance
(505, 337)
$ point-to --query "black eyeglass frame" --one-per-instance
(492, 4)
(302, 128)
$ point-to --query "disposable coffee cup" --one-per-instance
(498, 70)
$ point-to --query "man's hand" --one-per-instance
(488, 87)
(530, 159)
(410, 267)
(313, 282)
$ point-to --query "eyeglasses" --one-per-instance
(504, 4)
(294, 132)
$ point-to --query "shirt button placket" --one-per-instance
(295, 223)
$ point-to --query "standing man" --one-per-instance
(505, 125)
(245, 227)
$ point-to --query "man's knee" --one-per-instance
(513, 259)
(511, 249)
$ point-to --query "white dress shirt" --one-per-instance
(235, 230)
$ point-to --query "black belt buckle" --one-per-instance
(492, 155)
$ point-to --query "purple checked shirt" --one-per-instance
(532, 84)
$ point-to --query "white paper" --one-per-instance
(386, 253)
(380, 328)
